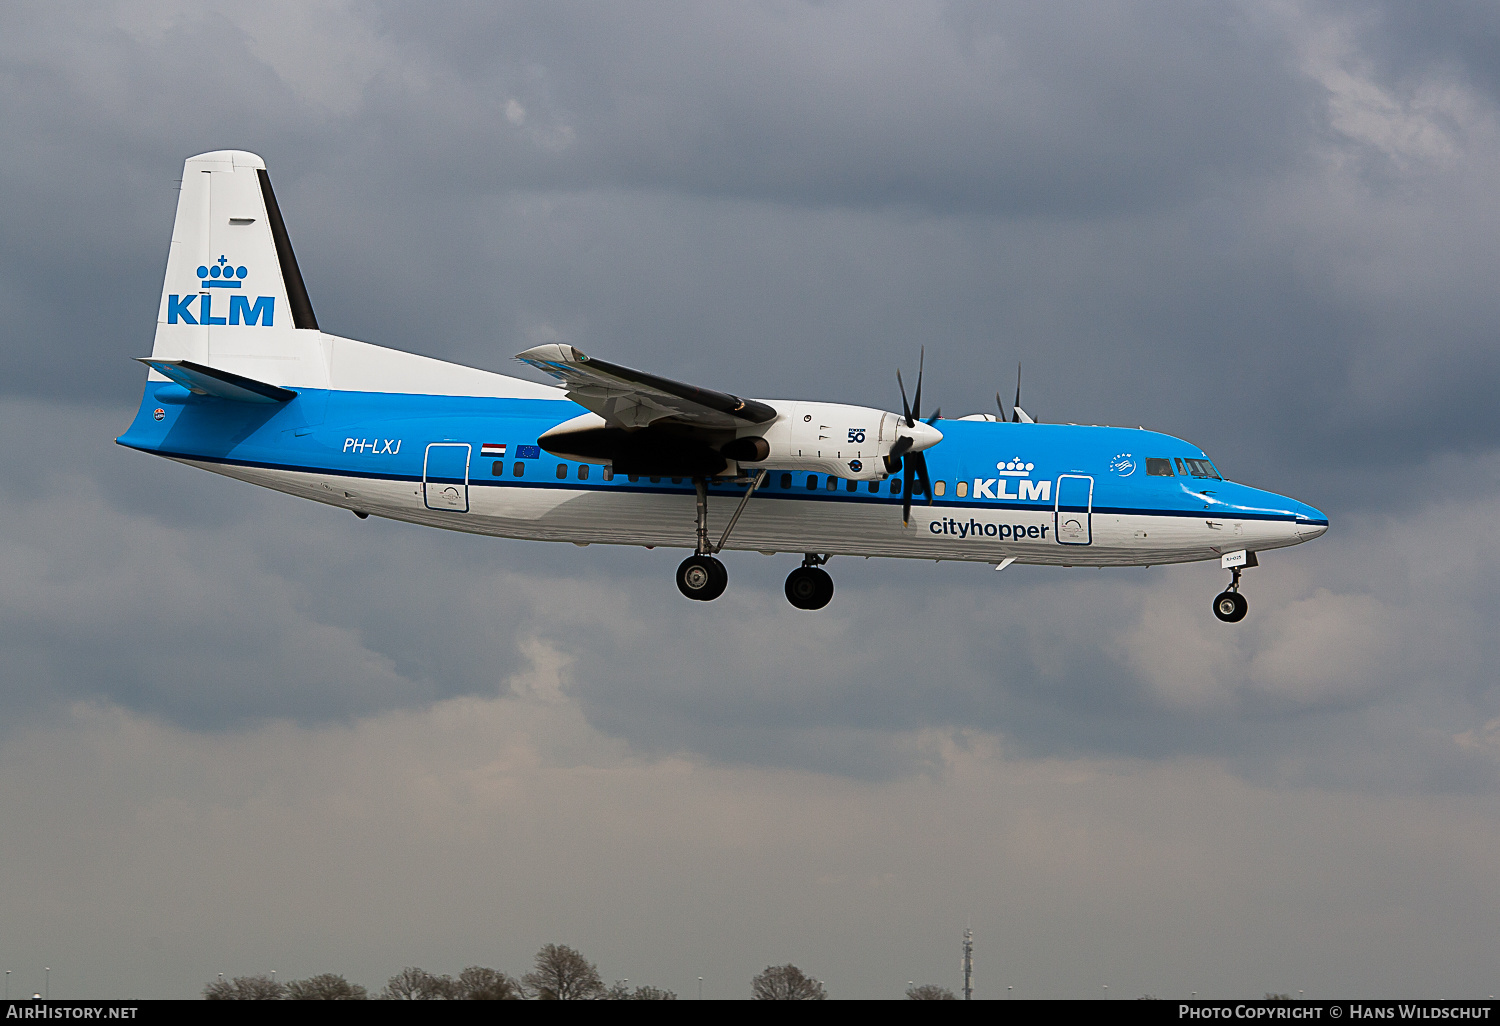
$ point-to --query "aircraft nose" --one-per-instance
(1311, 523)
(923, 435)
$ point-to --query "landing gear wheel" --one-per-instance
(702, 577)
(1231, 606)
(809, 587)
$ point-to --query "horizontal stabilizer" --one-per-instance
(201, 380)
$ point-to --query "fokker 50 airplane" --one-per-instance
(242, 382)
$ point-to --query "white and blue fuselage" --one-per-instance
(1072, 496)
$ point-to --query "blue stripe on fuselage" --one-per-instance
(381, 435)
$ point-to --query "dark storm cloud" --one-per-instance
(1268, 232)
(1136, 199)
(1064, 109)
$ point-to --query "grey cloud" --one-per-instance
(265, 607)
(798, 214)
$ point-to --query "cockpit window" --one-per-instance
(1202, 468)
(1158, 468)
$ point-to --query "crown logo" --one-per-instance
(1015, 468)
(221, 274)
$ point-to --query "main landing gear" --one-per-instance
(701, 576)
(809, 586)
(1230, 606)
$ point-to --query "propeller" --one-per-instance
(913, 461)
(1017, 415)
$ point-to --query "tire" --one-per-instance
(809, 587)
(702, 578)
(1231, 606)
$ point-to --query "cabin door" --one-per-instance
(1073, 511)
(445, 476)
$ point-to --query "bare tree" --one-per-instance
(562, 974)
(413, 984)
(621, 992)
(786, 983)
(259, 987)
(477, 983)
(930, 992)
(325, 987)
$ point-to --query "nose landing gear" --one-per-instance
(809, 586)
(1229, 605)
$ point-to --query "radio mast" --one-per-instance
(968, 964)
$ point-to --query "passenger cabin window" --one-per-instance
(1158, 468)
(1203, 468)
(874, 486)
(786, 480)
(812, 482)
(562, 470)
(939, 487)
(609, 473)
(853, 486)
(895, 486)
(656, 480)
(833, 483)
(520, 469)
(583, 471)
(498, 469)
(961, 489)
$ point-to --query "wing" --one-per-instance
(632, 399)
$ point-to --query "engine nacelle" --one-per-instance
(850, 442)
(825, 438)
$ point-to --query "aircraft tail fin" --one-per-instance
(233, 297)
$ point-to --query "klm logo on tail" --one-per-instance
(221, 274)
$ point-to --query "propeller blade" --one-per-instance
(998, 403)
(916, 400)
(905, 406)
(1016, 417)
(920, 461)
(906, 468)
(902, 444)
(935, 415)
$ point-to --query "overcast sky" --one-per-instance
(239, 732)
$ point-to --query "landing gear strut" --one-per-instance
(701, 576)
(809, 586)
(1230, 606)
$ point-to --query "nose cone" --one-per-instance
(923, 435)
(1310, 523)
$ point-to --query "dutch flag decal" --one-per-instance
(492, 449)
